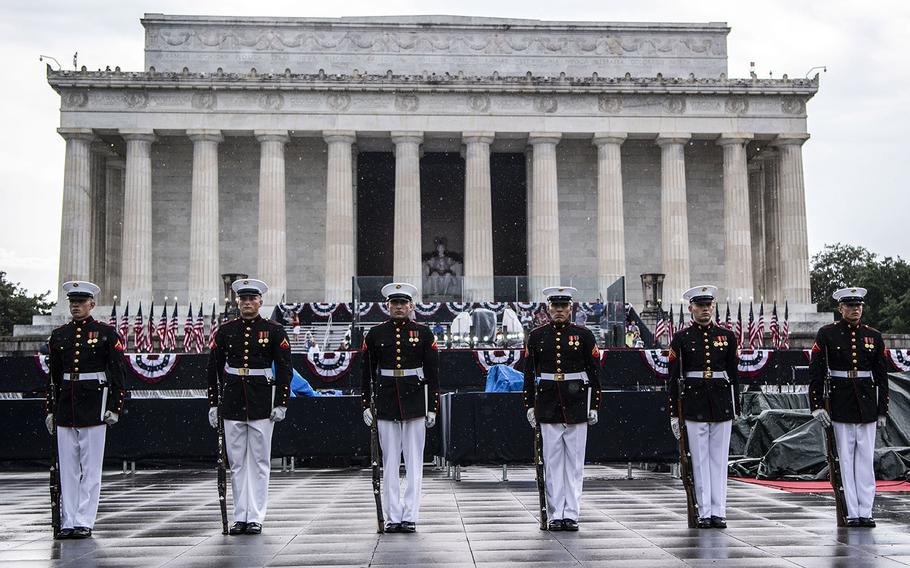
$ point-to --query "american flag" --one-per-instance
(717, 315)
(727, 323)
(216, 323)
(681, 325)
(150, 329)
(140, 333)
(785, 328)
(774, 328)
(661, 328)
(738, 327)
(162, 329)
(112, 321)
(124, 330)
(671, 328)
(761, 325)
(172, 331)
(752, 329)
(199, 332)
(188, 335)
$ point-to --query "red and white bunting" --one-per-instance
(752, 361)
(486, 358)
(900, 358)
(657, 360)
(152, 367)
(330, 365)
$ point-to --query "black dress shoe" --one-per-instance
(569, 525)
(718, 522)
(64, 534)
(408, 527)
(853, 523)
(81, 532)
(866, 522)
(555, 525)
(392, 527)
(253, 528)
(237, 528)
(704, 523)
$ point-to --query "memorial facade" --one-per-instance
(300, 150)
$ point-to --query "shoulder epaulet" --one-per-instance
(104, 324)
(273, 322)
(870, 328)
(829, 325)
(541, 326)
(59, 328)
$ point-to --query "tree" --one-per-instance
(887, 281)
(17, 306)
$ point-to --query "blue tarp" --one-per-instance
(502, 378)
(302, 387)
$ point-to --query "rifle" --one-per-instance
(222, 462)
(55, 463)
(685, 456)
(834, 473)
(374, 451)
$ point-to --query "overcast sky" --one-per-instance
(855, 192)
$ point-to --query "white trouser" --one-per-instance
(81, 457)
(395, 438)
(856, 451)
(249, 450)
(564, 467)
(709, 444)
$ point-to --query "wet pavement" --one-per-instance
(327, 517)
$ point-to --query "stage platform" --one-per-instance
(326, 517)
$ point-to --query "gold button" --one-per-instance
(78, 353)
(854, 361)
(246, 365)
(77, 360)
(249, 329)
(398, 358)
(398, 351)
(398, 366)
(246, 342)
(246, 350)
(397, 343)
(558, 370)
(75, 369)
(245, 357)
(558, 334)
(78, 336)
(78, 329)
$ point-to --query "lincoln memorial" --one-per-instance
(310, 151)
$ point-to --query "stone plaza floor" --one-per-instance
(327, 517)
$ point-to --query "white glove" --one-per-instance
(592, 417)
(213, 417)
(111, 418)
(674, 427)
(49, 422)
(532, 418)
(821, 415)
(882, 421)
(278, 413)
(368, 417)
(431, 419)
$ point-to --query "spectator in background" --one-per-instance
(598, 311)
(295, 321)
(581, 317)
(309, 342)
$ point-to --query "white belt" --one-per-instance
(564, 376)
(244, 372)
(100, 377)
(418, 372)
(709, 374)
(851, 374)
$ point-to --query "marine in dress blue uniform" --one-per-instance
(400, 357)
(853, 355)
(562, 393)
(86, 381)
(254, 398)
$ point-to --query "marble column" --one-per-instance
(674, 216)
(478, 218)
(406, 263)
(529, 218)
(101, 152)
(544, 255)
(794, 248)
(113, 239)
(272, 259)
(757, 227)
(136, 271)
(339, 226)
(611, 244)
(204, 279)
(769, 160)
(75, 233)
(737, 230)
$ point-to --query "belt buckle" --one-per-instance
(243, 372)
(851, 374)
(397, 373)
(74, 376)
(709, 374)
(559, 377)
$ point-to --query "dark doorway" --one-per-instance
(375, 213)
(510, 220)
